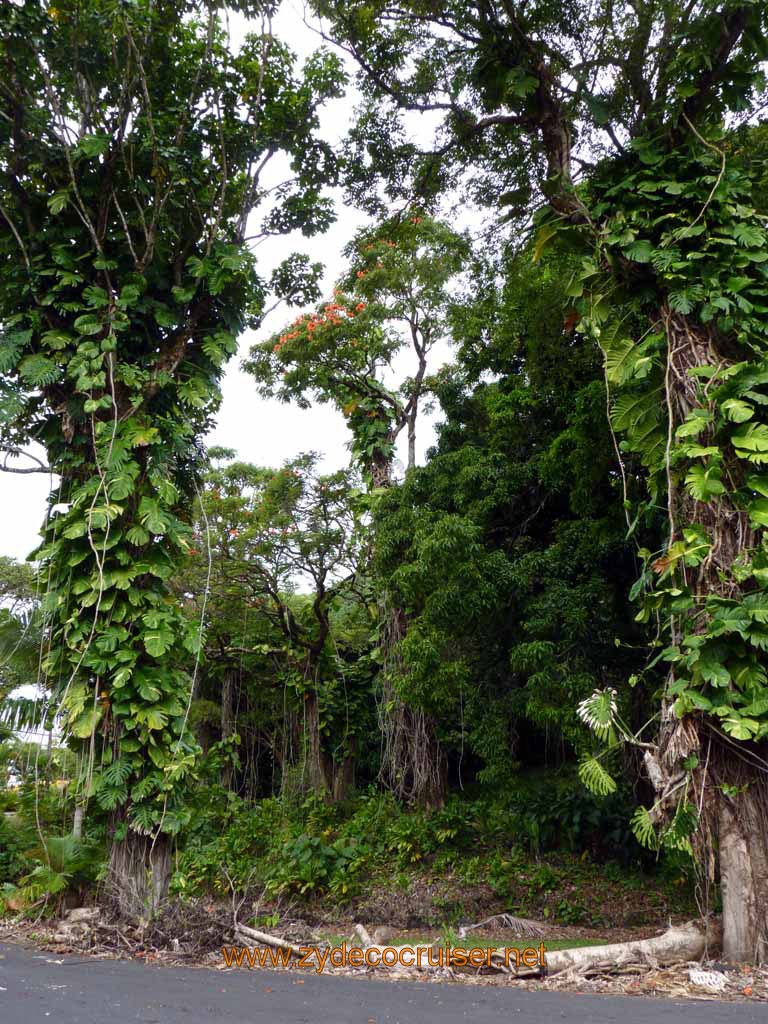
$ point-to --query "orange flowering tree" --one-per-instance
(350, 351)
(394, 300)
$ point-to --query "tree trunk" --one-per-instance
(678, 944)
(77, 821)
(413, 764)
(412, 439)
(317, 762)
(732, 827)
(227, 720)
(380, 468)
(345, 772)
(743, 849)
(138, 875)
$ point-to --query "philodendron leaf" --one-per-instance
(704, 484)
(157, 642)
(737, 410)
(86, 722)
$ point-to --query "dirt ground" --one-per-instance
(193, 935)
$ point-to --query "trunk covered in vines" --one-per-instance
(317, 761)
(332, 776)
(125, 279)
(229, 688)
(669, 206)
(413, 764)
(728, 786)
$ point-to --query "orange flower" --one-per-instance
(361, 273)
(359, 307)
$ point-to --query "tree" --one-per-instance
(21, 646)
(394, 296)
(133, 143)
(508, 548)
(613, 118)
(288, 546)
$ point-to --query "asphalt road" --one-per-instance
(35, 987)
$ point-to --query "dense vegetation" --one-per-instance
(554, 626)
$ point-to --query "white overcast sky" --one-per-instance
(263, 432)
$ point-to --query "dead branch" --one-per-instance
(264, 939)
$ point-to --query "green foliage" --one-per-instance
(313, 848)
(507, 551)
(14, 840)
(48, 870)
(706, 248)
(125, 279)
(595, 777)
(668, 210)
(393, 296)
(288, 624)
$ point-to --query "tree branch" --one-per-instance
(15, 453)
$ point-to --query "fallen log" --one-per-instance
(678, 944)
(263, 939)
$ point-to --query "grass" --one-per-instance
(476, 942)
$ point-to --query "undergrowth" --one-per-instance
(543, 835)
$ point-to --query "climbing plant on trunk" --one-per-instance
(133, 144)
(610, 120)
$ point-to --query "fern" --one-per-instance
(144, 787)
(620, 361)
(640, 418)
(621, 354)
(595, 777)
(38, 886)
(677, 835)
(109, 797)
(143, 819)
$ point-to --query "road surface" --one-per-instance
(37, 987)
